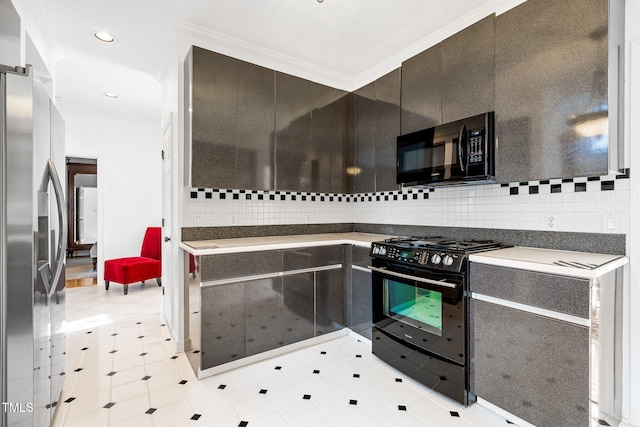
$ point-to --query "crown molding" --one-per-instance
(187, 34)
(184, 34)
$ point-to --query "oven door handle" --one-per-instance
(407, 276)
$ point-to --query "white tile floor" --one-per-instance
(122, 371)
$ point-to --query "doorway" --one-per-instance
(82, 206)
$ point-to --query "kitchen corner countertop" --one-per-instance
(564, 263)
(253, 244)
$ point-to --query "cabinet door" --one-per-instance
(364, 139)
(223, 324)
(328, 137)
(361, 302)
(551, 75)
(468, 82)
(254, 133)
(263, 306)
(226, 266)
(531, 366)
(298, 311)
(310, 123)
(329, 301)
(232, 122)
(214, 120)
(422, 91)
(387, 130)
(318, 256)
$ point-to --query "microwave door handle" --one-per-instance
(460, 151)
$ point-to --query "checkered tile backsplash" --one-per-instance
(587, 204)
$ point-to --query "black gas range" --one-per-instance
(420, 309)
(430, 252)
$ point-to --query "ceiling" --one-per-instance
(342, 43)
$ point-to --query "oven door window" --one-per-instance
(415, 306)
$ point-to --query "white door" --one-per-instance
(169, 287)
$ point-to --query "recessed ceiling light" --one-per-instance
(105, 37)
(110, 95)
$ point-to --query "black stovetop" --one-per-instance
(444, 244)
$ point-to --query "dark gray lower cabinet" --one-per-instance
(248, 317)
(298, 313)
(329, 301)
(223, 324)
(264, 315)
(534, 367)
(361, 302)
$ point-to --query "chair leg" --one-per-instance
(126, 289)
(159, 280)
(106, 285)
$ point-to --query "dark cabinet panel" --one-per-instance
(557, 364)
(317, 256)
(329, 301)
(296, 168)
(422, 91)
(364, 140)
(562, 294)
(468, 82)
(551, 74)
(232, 122)
(214, 121)
(361, 302)
(264, 320)
(225, 266)
(361, 256)
(310, 135)
(387, 127)
(298, 307)
(329, 140)
(255, 118)
(223, 324)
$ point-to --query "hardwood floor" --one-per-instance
(79, 272)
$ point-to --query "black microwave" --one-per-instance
(461, 152)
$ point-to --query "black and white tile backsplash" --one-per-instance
(584, 204)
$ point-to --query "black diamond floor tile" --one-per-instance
(69, 400)
(353, 402)
(151, 411)
(263, 391)
(222, 386)
(146, 377)
(196, 417)
(306, 397)
(402, 408)
(109, 405)
(454, 414)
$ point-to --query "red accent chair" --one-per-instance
(137, 269)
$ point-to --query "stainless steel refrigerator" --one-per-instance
(33, 238)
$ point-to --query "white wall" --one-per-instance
(129, 177)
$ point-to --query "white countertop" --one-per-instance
(565, 263)
(252, 244)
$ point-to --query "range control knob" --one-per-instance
(436, 259)
(447, 260)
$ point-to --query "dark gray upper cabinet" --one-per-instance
(375, 117)
(468, 82)
(387, 130)
(232, 122)
(362, 171)
(296, 167)
(310, 135)
(551, 74)
(422, 91)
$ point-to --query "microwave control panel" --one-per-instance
(476, 146)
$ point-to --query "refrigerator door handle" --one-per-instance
(51, 174)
